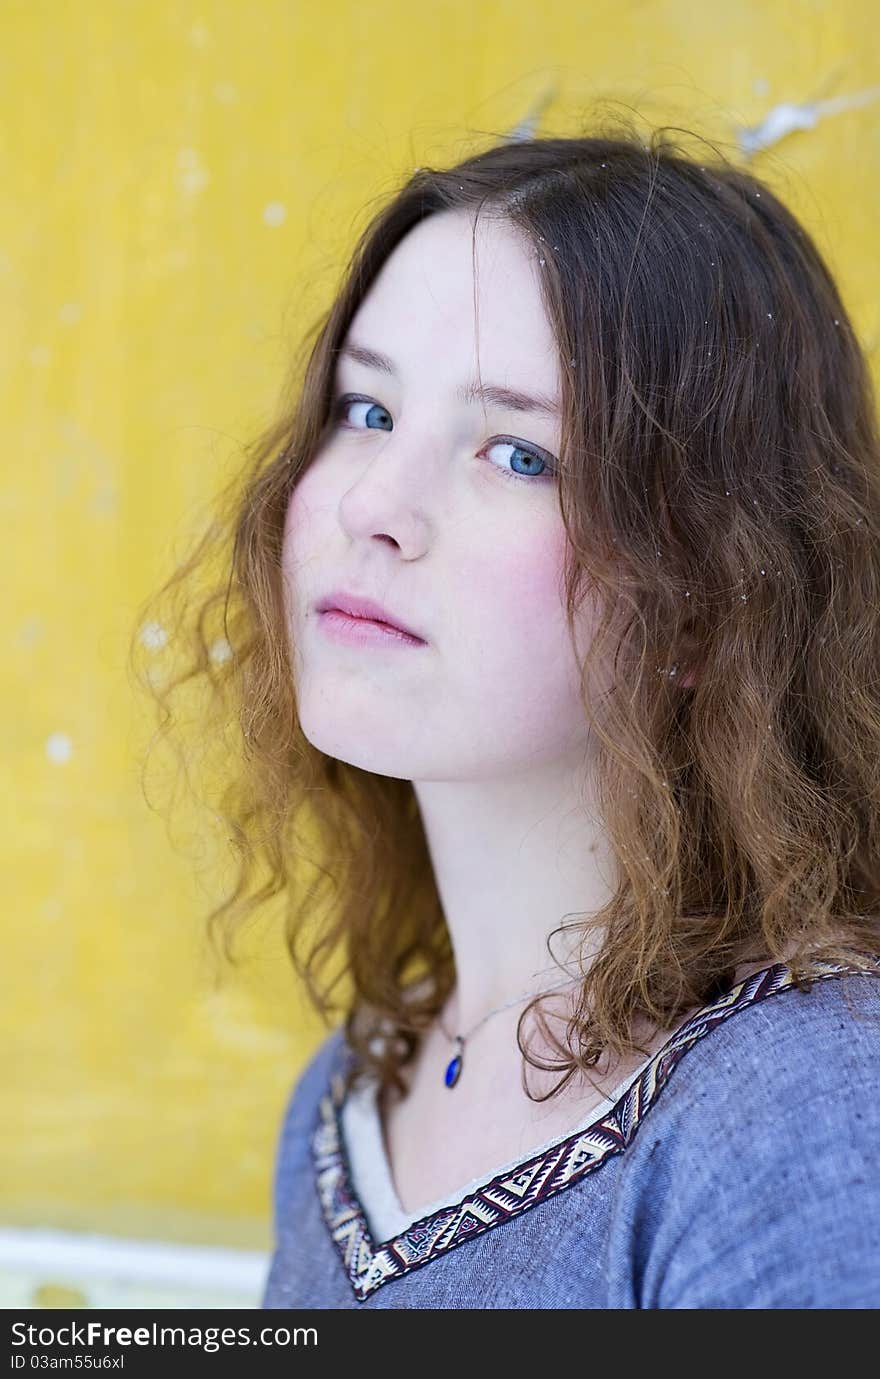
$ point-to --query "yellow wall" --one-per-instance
(180, 181)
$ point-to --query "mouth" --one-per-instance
(361, 609)
(347, 628)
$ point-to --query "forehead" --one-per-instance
(444, 291)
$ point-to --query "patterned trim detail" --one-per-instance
(534, 1180)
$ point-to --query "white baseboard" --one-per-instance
(37, 1265)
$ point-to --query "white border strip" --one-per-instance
(141, 1261)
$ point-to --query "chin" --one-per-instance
(357, 747)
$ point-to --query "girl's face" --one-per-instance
(445, 511)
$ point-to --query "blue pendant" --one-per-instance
(453, 1071)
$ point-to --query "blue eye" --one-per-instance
(530, 455)
(342, 405)
(380, 414)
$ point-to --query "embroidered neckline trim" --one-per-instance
(368, 1265)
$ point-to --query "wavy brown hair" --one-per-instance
(719, 482)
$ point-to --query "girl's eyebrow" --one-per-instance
(490, 393)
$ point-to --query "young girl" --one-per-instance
(556, 631)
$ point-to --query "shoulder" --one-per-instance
(299, 1113)
(751, 1180)
(776, 1046)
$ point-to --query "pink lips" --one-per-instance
(363, 631)
(362, 621)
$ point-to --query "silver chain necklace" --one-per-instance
(456, 1064)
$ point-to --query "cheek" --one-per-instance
(518, 590)
(300, 508)
(304, 532)
(522, 650)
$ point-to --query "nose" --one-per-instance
(388, 499)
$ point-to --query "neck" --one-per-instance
(513, 860)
